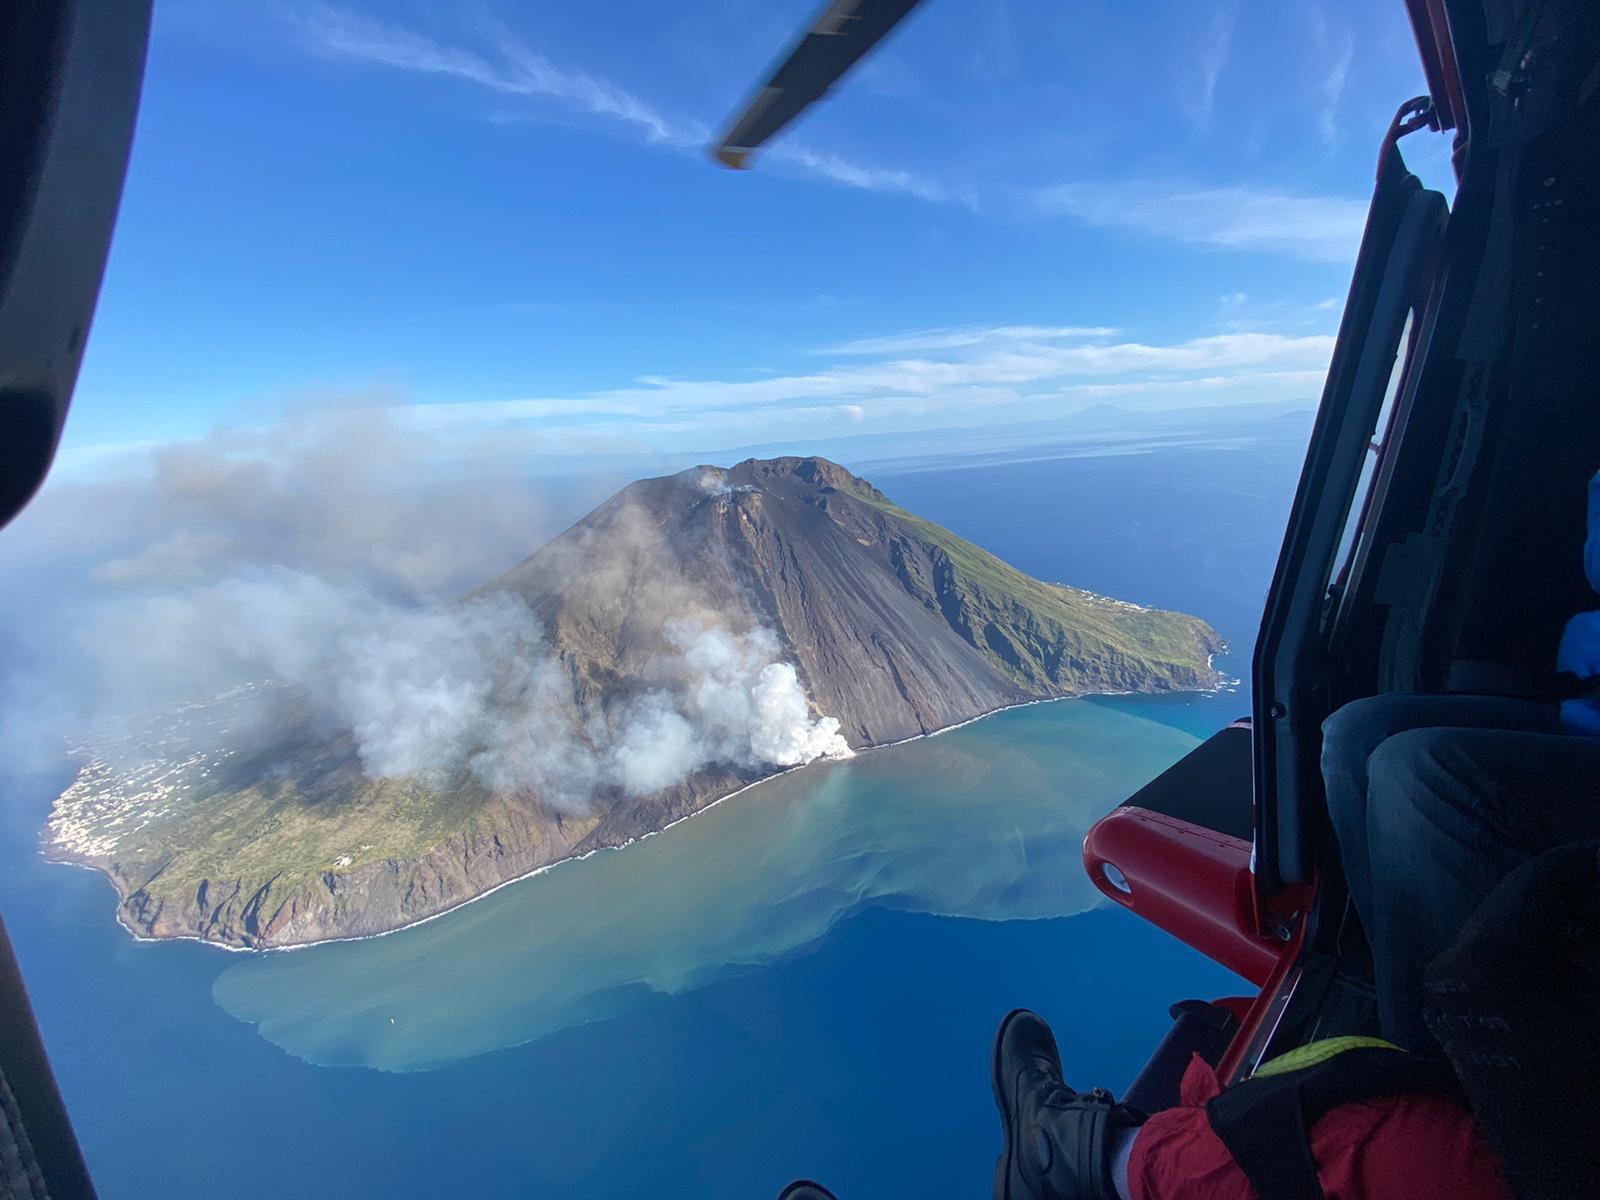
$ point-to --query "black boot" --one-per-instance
(804, 1189)
(1058, 1142)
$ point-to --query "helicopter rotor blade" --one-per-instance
(836, 41)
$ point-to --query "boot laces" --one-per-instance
(1047, 1082)
(1057, 1094)
(1054, 1091)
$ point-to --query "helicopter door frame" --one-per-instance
(1394, 278)
(70, 77)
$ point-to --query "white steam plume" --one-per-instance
(301, 555)
(426, 691)
(730, 699)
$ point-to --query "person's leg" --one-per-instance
(1451, 812)
(1121, 1158)
(1057, 1143)
(1350, 736)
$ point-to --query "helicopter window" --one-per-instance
(1382, 431)
(793, 465)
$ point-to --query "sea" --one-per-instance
(803, 980)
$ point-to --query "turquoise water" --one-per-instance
(793, 982)
(984, 821)
(803, 980)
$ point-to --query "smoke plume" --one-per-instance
(731, 700)
(292, 556)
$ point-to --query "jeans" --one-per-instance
(1434, 800)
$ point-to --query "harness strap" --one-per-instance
(1265, 1129)
(1265, 1122)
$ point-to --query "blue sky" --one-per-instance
(499, 218)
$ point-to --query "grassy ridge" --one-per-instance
(274, 830)
(1041, 633)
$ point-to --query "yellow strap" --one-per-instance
(1313, 1053)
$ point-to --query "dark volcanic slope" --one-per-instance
(898, 626)
(895, 626)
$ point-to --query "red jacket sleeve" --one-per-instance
(1415, 1147)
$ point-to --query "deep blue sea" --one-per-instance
(802, 981)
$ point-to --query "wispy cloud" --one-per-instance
(1319, 228)
(1238, 313)
(998, 373)
(872, 179)
(342, 33)
(1211, 49)
(1290, 382)
(1003, 372)
(1334, 51)
(923, 340)
(507, 67)
(996, 56)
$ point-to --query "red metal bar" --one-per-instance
(1193, 882)
(1432, 30)
(1239, 1006)
(1259, 1023)
(1431, 25)
(1196, 884)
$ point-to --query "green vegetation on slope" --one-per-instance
(273, 830)
(1045, 635)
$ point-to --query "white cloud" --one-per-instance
(1000, 371)
(1239, 313)
(1335, 50)
(1211, 58)
(325, 556)
(920, 340)
(1286, 383)
(872, 179)
(342, 33)
(1319, 228)
(1333, 87)
(512, 69)
(892, 382)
